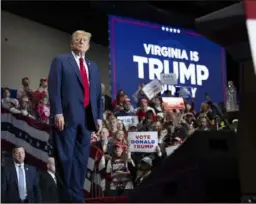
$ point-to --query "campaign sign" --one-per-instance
(141, 51)
(129, 121)
(142, 141)
(170, 78)
(152, 89)
(171, 103)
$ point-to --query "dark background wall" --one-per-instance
(69, 16)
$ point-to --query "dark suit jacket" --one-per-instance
(108, 103)
(48, 188)
(66, 92)
(9, 180)
(109, 146)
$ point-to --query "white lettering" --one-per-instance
(170, 52)
(155, 68)
(193, 92)
(202, 74)
(187, 73)
(141, 61)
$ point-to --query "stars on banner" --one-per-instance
(170, 29)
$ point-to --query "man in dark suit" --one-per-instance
(104, 144)
(74, 87)
(48, 183)
(20, 181)
(106, 100)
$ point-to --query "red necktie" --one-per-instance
(85, 82)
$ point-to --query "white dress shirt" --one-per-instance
(78, 64)
(53, 176)
(17, 166)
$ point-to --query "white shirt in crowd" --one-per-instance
(53, 176)
(17, 166)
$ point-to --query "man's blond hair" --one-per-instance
(89, 35)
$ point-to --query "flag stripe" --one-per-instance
(23, 125)
(39, 154)
(250, 8)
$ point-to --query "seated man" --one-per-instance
(7, 102)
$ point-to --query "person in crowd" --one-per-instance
(20, 182)
(147, 124)
(104, 144)
(139, 94)
(168, 93)
(94, 137)
(25, 90)
(106, 99)
(24, 108)
(109, 116)
(157, 105)
(43, 109)
(160, 117)
(144, 170)
(119, 99)
(127, 109)
(204, 123)
(8, 102)
(74, 87)
(113, 126)
(120, 126)
(119, 137)
(48, 183)
(205, 111)
(157, 126)
(141, 111)
(41, 92)
(119, 171)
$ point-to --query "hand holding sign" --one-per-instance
(152, 89)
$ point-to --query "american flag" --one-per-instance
(34, 137)
(250, 11)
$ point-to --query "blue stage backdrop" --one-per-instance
(141, 51)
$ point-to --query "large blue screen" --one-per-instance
(141, 51)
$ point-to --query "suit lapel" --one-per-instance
(27, 175)
(14, 172)
(76, 68)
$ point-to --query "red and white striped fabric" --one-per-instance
(34, 137)
(250, 10)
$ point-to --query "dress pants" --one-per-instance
(71, 150)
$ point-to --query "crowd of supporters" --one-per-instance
(124, 169)
(28, 102)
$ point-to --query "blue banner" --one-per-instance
(141, 51)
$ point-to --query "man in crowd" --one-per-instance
(75, 95)
(25, 90)
(48, 183)
(20, 181)
(126, 110)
